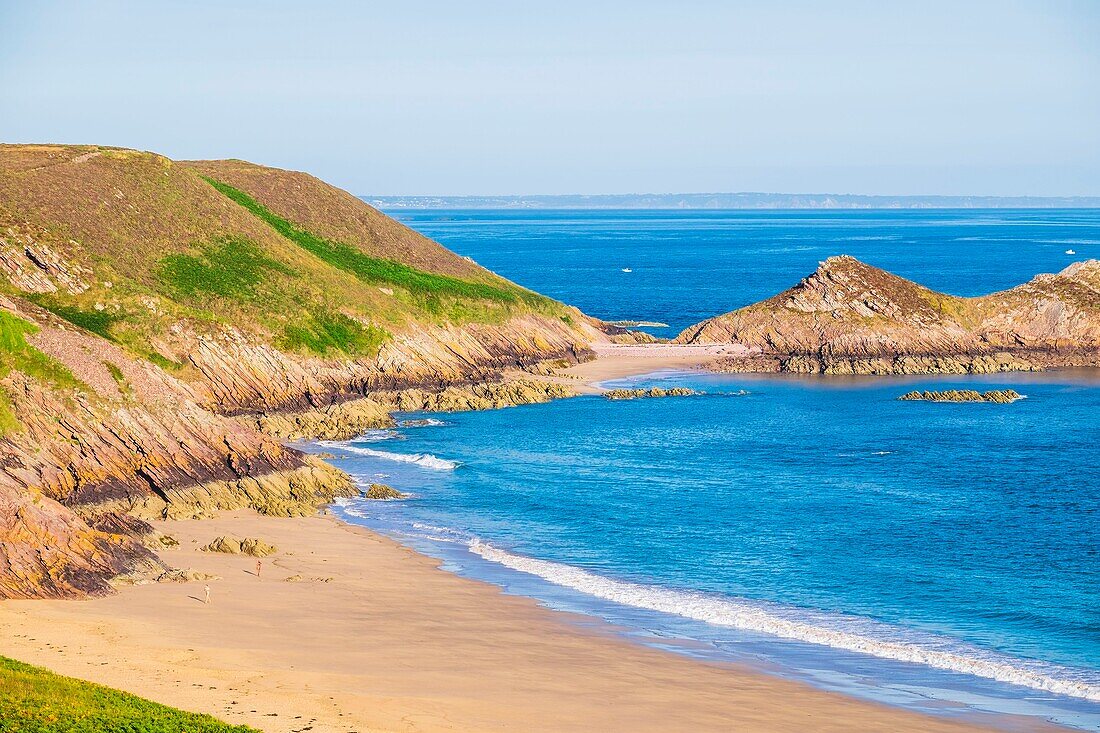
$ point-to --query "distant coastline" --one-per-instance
(731, 201)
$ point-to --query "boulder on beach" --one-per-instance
(237, 546)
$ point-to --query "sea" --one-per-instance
(939, 557)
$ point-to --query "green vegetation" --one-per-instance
(34, 700)
(9, 423)
(16, 353)
(322, 331)
(120, 379)
(164, 362)
(98, 322)
(231, 267)
(427, 286)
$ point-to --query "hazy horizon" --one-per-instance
(936, 98)
(747, 200)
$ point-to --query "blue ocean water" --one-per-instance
(689, 265)
(944, 557)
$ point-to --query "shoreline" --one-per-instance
(374, 636)
(618, 361)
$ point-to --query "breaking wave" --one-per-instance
(840, 632)
(425, 460)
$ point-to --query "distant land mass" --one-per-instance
(732, 201)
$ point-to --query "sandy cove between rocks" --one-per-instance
(372, 636)
(616, 361)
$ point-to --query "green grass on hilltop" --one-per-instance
(428, 287)
(231, 267)
(34, 700)
(235, 268)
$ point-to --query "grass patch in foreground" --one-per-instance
(374, 270)
(34, 700)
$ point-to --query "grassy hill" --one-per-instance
(281, 256)
(155, 315)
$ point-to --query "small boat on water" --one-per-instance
(627, 269)
(1070, 252)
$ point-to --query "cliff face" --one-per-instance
(162, 324)
(851, 318)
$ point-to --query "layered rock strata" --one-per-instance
(851, 318)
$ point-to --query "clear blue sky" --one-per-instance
(567, 97)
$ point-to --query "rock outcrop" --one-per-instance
(851, 318)
(1001, 396)
(382, 492)
(635, 394)
(343, 420)
(230, 545)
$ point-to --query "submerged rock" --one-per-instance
(964, 395)
(634, 394)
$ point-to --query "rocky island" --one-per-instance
(1001, 396)
(634, 394)
(851, 318)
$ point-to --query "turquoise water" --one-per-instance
(944, 557)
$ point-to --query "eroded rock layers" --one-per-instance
(851, 318)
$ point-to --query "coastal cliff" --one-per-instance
(163, 324)
(851, 318)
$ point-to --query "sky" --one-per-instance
(481, 98)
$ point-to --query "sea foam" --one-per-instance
(840, 632)
(425, 460)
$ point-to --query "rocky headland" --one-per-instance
(164, 325)
(851, 318)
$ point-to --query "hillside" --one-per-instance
(162, 322)
(851, 318)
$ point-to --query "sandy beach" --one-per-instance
(615, 361)
(346, 630)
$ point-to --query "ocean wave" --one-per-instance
(424, 460)
(840, 632)
(425, 422)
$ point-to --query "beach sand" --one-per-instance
(615, 361)
(375, 637)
